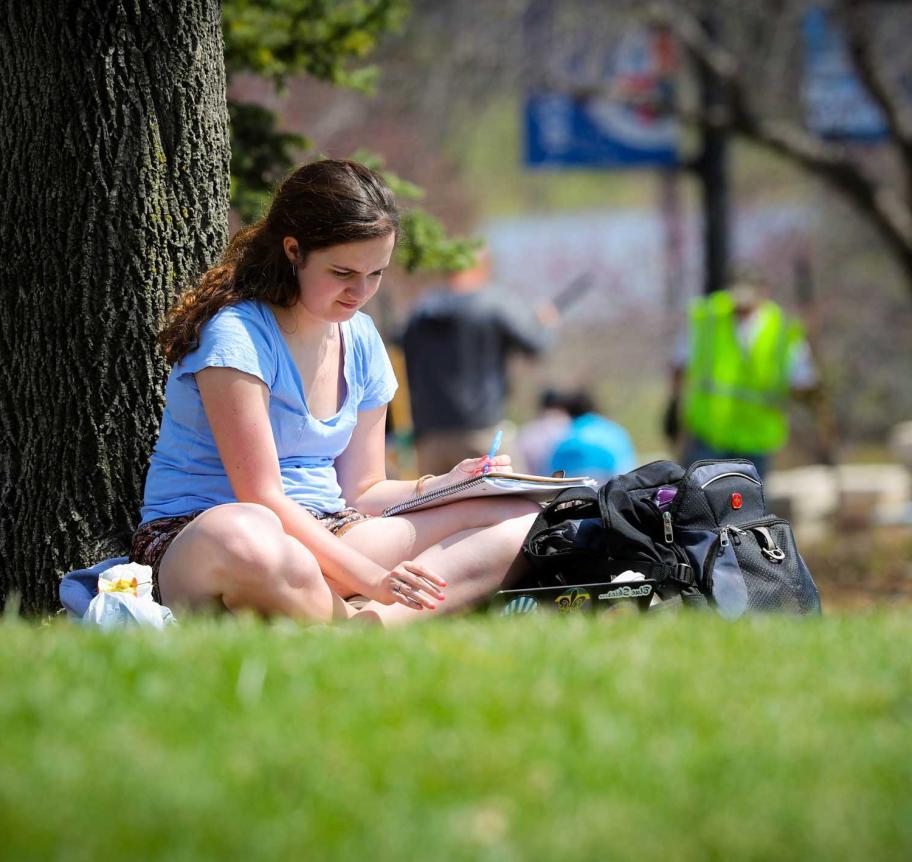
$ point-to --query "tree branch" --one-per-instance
(897, 118)
(888, 212)
(858, 36)
(887, 209)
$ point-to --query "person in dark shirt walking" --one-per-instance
(457, 342)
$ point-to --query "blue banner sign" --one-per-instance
(627, 122)
(837, 106)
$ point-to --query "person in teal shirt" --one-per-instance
(592, 445)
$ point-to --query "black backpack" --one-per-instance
(698, 536)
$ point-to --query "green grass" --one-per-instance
(667, 739)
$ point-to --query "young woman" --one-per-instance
(270, 461)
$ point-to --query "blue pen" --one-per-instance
(495, 445)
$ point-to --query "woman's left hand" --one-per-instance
(412, 585)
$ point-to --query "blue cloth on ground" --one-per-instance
(78, 588)
(594, 446)
(186, 472)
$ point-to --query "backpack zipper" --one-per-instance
(704, 461)
(736, 534)
(731, 534)
(719, 548)
(668, 530)
(725, 475)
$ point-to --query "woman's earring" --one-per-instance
(294, 271)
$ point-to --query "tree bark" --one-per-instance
(114, 169)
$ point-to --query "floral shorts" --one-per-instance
(152, 539)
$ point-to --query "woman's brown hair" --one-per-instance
(321, 204)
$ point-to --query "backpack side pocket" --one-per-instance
(777, 579)
(566, 543)
(712, 553)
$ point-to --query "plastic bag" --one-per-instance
(125, 599)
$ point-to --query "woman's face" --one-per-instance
(337, 281)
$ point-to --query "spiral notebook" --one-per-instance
(492, 484)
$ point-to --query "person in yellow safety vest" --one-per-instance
(733, 374)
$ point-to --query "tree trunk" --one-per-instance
(114, 169)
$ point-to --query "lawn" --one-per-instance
(671, 738)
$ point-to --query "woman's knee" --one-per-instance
(500, 510)
(520, 507)
(486, 512)
(302, 571)
(242, 536)
(254, 549)
(264, 569)
(509, 531)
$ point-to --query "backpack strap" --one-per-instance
(694, 599)
(690, 599)
(661, 573)
(679, 580)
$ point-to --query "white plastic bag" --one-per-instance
(125, 599)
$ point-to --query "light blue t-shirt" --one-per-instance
(186, 472)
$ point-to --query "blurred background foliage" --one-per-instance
(328, 41)
(281, 38)
(436, 89)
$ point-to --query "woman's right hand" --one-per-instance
(469, 468)
(412, 585)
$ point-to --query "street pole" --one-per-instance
(712, 171)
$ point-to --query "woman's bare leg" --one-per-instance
(473, 544)
(238, 553)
